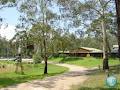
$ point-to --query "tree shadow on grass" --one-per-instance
(9, 81)
(4, 82)
(113, 70)
(70, 59)
(12, 82)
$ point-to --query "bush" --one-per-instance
(37, 58)
(55, 55)
(63, 55)
(88, 55)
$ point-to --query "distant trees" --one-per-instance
(3, 47)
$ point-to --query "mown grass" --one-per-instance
(84, 61)
(31, 72)
(97, 81)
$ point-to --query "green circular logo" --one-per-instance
(111, 81)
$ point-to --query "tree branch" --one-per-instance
(96, 10)
(104, 5)
(107, 3)
(8, 5)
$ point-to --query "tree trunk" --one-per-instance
(45, 68)
(105, 51)
(117, 2)
(45, 55)
(44, 37)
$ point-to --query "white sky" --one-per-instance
(8, 31)
(10, 16)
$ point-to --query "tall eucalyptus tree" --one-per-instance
(38, 15)
(99, 9)
(88, 11)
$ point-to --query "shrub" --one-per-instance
(63, 55)
(37, 58)
(55, 55)
(88, 55)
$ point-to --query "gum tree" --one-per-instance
(38, 16)
(91, 10)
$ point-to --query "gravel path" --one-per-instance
(74, 76)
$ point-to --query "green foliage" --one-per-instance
(54, 55)
(62, 55)
(5, 48)
(6, 1)
(70, 59)
(37, 58)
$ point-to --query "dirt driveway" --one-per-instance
(74, 76)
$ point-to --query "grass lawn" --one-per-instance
(96, 81)
(84, 61)
(31, 72)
